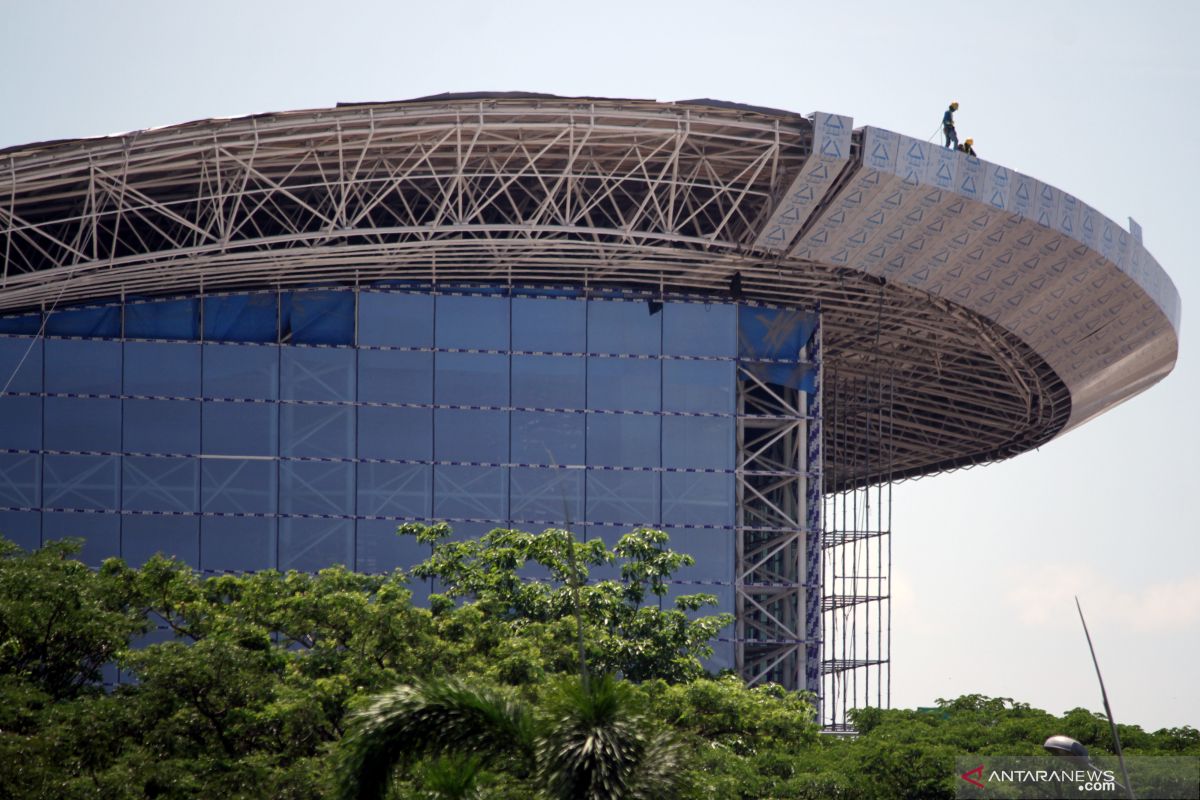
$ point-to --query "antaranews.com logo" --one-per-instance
(1050, 777)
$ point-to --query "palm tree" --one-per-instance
(586, 741)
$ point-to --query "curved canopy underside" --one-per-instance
(988, 310)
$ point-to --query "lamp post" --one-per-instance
(1076, 753)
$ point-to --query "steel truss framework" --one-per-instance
(772, 577)
(812, 569)
(512, 190)
(506, 191)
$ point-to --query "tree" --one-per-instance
(244, 685)
(60, 622)
(584, 741)
(624, 632)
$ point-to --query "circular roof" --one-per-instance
(978, 310)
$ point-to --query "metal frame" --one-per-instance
(506, 191)
(856, 556)
(771, 584)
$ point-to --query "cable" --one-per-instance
(40, 334)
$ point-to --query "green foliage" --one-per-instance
(59, 622)
(244, 686)
(596, 742)
(528, 626)
(432, 718)
(577, 741)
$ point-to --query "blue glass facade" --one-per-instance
(297, 429)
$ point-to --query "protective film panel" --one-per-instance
(143, 536)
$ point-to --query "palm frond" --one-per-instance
(430, 718)
(452, 777)
(596, 742)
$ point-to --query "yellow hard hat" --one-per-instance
(969, 142)
(954, 106)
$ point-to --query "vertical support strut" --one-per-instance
(812, 526)
(777, 586)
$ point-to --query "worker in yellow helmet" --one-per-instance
(967, 147)
(948, 125)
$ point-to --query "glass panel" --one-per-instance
(85, 482)
(310, 545)
(776, 334)
(395, 490)
(629, 498)
(20, 481)
(241, 317)
(714, 554)
(22, 528)
(241, 372)
(237, 544)
(21, 423)
(162, 426)
(706, 442)
(544, 498)
(161, 484)
(83, 366)
(21, 417)
(237, 486)
(398, 320)
(471, 493)
(475, 379)
(83, 424)
(546, 438)
(549, 324)
(624, 384)
(178, 537)
(699, 386)
(697, 498)
(722, 651)
(167, 370)
(380, 549)
(400, 434)
(700, 329)
(102, 321)
(21, 324)
(549, 381)
(317, 317)
(318, 373)
(101, 533)
(472, 322)
(27, 353)
(472, 436)
(623, 440)
(321, 431)
(241, 429)
(627, 327)
(316, 487)
(163, 319)
(395, 376)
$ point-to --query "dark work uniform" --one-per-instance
(948, 128)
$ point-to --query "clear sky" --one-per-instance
(1101, 99)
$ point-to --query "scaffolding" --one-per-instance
(856, 547)
(813, 533)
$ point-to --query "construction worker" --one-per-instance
(966, 147)
(948, 125)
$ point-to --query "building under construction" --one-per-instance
(265, 342)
